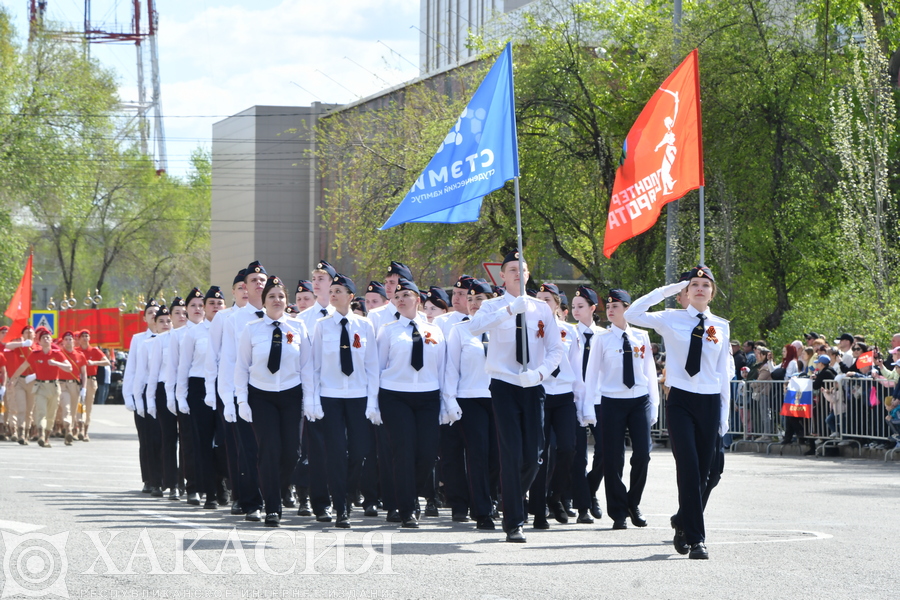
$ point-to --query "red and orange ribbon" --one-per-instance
(540, 332)
(290, 338)
(429, 339)
(356, 342)
(711, 335)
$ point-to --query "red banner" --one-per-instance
(866, 359)
(132, 323)
(662, 158)
(109, 328)
(19, 309)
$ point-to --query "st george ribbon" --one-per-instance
(477, 156)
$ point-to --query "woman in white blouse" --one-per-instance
(273, 373)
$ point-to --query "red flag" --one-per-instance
(662, 158)
(19, 309)
(866, 359)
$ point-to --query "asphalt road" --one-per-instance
(74, 524)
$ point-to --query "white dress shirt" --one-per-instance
(395, 356)
(330, 381)
(131, 365)
(311, 316)
(252, 361)
(141, 365)
(175, 337)
(464, 373)
(545, 352)
(582, 340)
(213, 349)
(157, 364)
(192, 357)
(231, 335)
(383, 315)
(569, 373)
(604, 375)
(446, 321)
(675, 326)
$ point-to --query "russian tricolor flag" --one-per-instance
(798, 399)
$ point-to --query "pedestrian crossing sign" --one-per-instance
(45, 318)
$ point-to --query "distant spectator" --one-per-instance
(740, 359)
(749, 351)
(893, 417)
(824, 373)
(791, 362)
(844, 344)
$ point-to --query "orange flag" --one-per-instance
(19, 309)
(866, 359)
(662, 158)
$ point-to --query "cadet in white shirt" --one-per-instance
(133, 394)
(388, 312)
(304, 297)
(436, 303)
(345, 357)
(411, 358)
(467, 386)
(584, 306)
(158, 350)
(621, 379)
(151, 444)
(190, 392)
(699, 369)
(563, 393)
(518, 365)
(376, 296)
(272, 375)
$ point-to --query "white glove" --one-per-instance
(228, 412)
(530, 378)
(129, 403)
(451, 413)
(674, 288)
(245, 412)
(313, 412)
(518, 305)
(151, 408)
(373, 414)
(210, 401)
(183, 407)
(588, 417)
(82, 393)
(170, 404)
(30, 378)
(723, 427)
(139, 407)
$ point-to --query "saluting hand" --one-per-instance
(674, 288)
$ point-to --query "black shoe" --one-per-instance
(193, 499)
(156, 492)
(304, 509)
(236, 508)
(145, 490)
(393, 516)
(371, 511)
(459, 517)
(174, 495)
(515, 535)
(324, 516)
(679, 541)
(637, 519)
(410, 523)
(222, 494)
(620, 524)
(485, 523)
(567, 505)
(253, 515)
(540, 522)
(596, 511)
(211, 504)
(431, 509)
(288, 501)
(273, 520)
(698, 551)
(343, 521)
(559, 513)
(495, 513)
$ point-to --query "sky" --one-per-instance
(218, 58)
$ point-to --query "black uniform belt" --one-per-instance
(47, 380)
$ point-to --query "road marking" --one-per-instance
(16, 477)
(20, 527)
(111, 423)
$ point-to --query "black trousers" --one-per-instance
(560, 421)
(319, 497)
(203, 421)
(276, 422)
(617, 415)
(519, 417)
(693, 422)
(578, 485)
(595, 475)
(168, 426)
(139, 427)
(348, 438)
(368, 481)
(479, 434)
(715, 472)
(452, 468)
(412, 420)
(186, 453)
(151, 446)
(241, 457)
(385, 468)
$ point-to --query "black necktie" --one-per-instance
(346, 357)
(521, 346)
(259, 314)
(397, 315)
(275, 350)
(485, 340)
(418, 349)
(586, 353)
(692, 366)
(464, 319)
(627, 362)
(324, 312)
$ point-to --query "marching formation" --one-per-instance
(327, 398)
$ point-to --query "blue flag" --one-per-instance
(478, 156)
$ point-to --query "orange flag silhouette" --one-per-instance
(662, 158)
(19, 309)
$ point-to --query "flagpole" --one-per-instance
(702, 228)
(515, 140)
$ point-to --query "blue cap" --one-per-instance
(406, 284)
(345, 281)
(400, 269)
(618, 296)
(588, 294)
(480, 286)
(213, 292)
(324, 266)
(438, 293)
(304, 285)
(255, 267)
(376, 287)
(549, 287)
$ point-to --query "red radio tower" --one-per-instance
(137, 35)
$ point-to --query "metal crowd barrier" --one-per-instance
(849, 411)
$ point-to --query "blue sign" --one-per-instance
(44, 318)
(477, 156)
